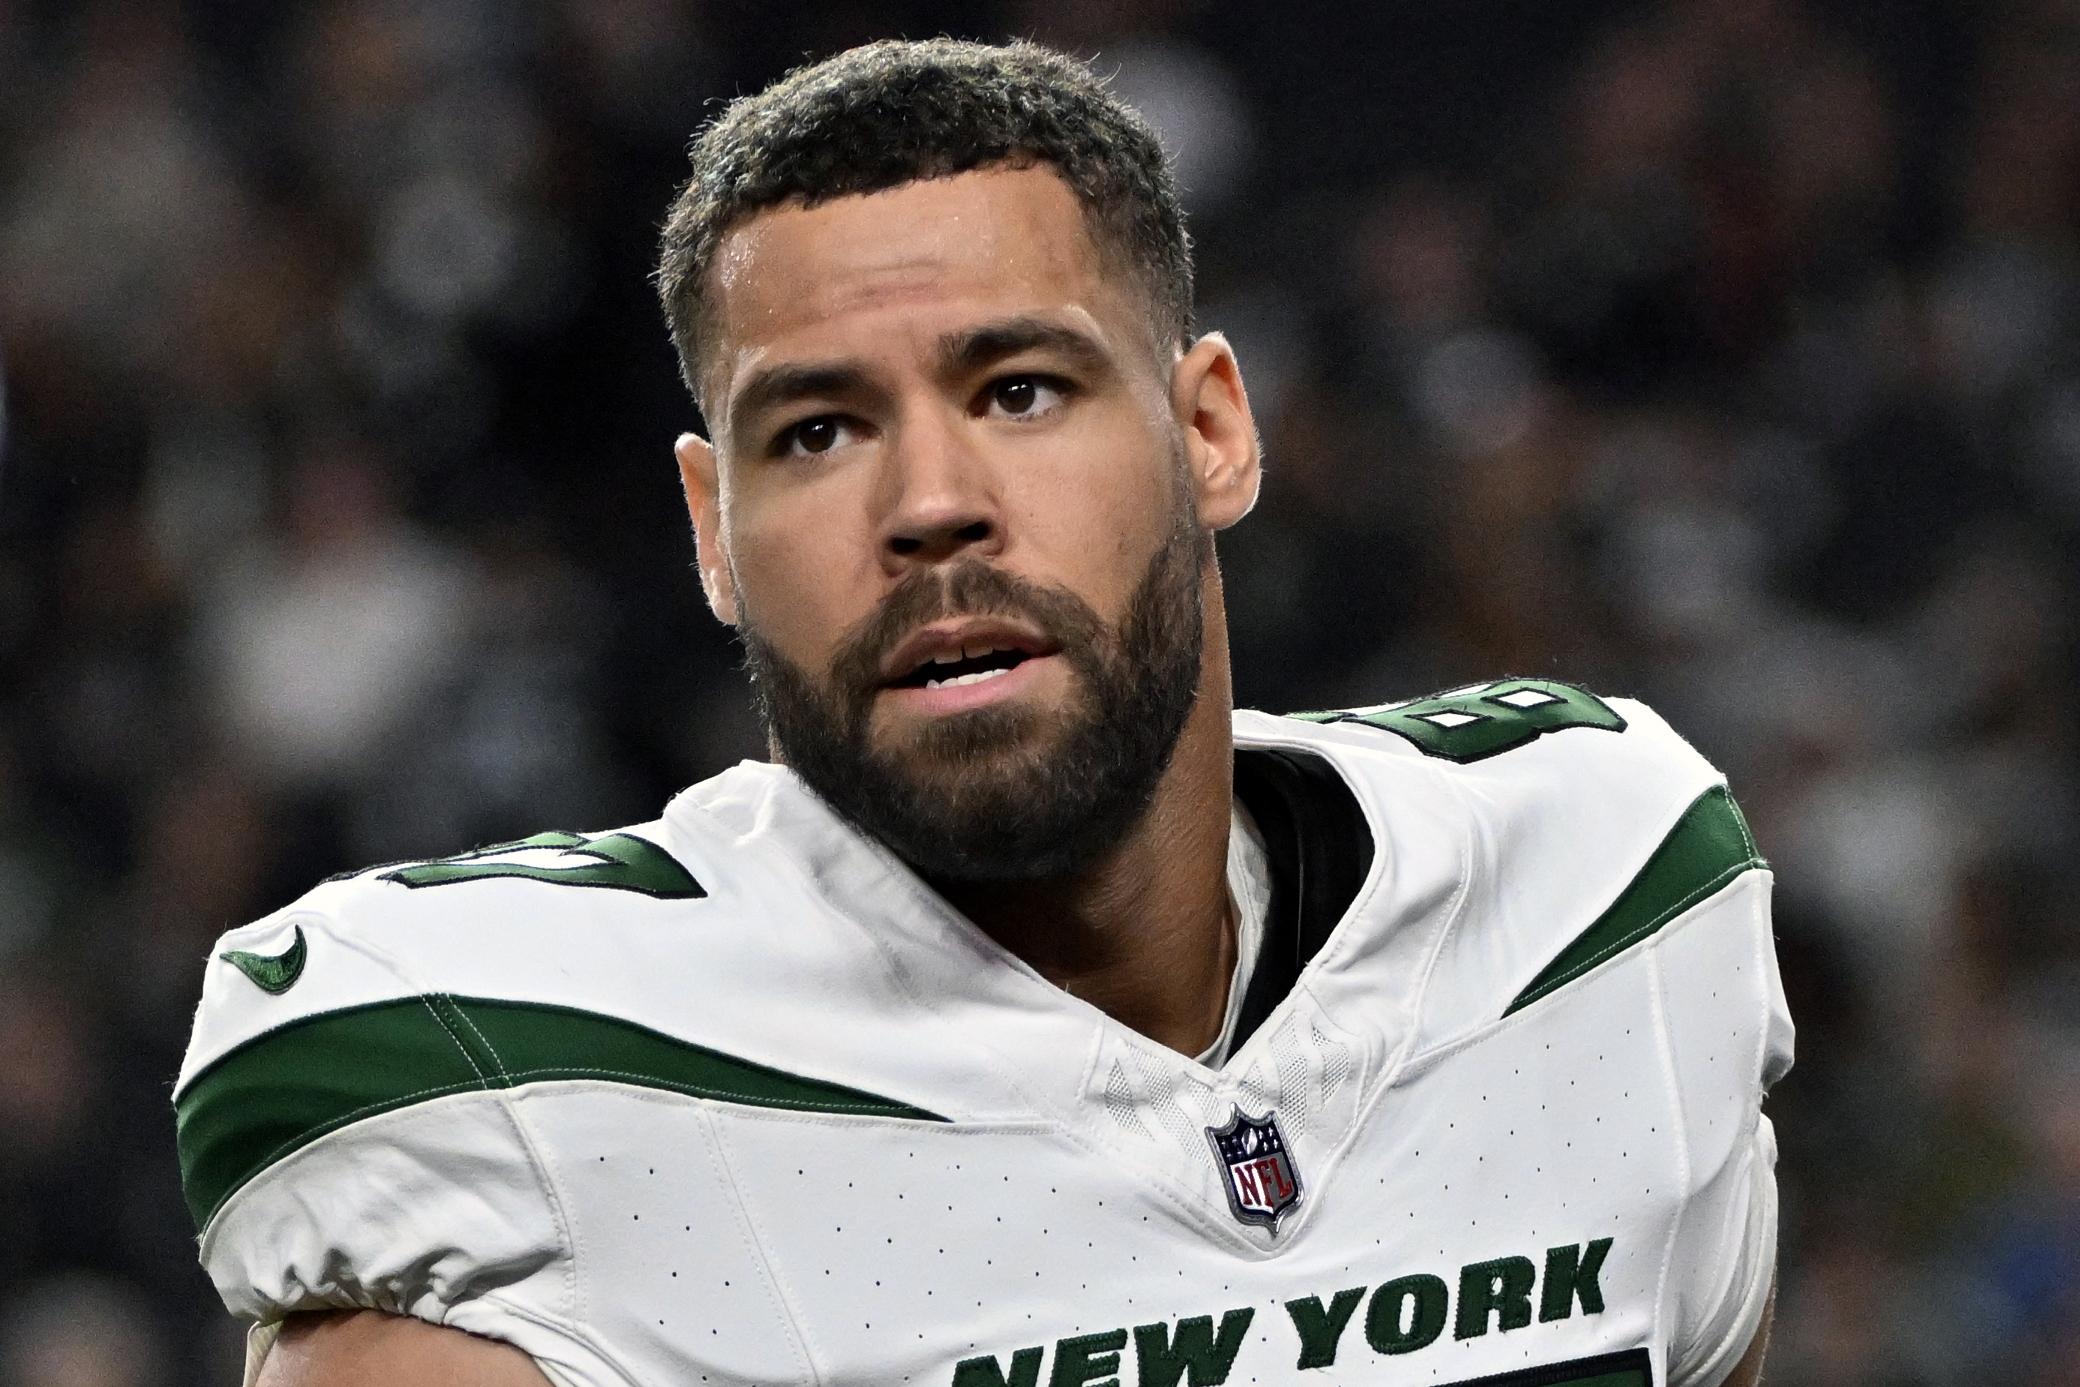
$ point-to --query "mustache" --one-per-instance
(969, 588)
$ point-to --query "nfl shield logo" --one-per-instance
(1262, 1183)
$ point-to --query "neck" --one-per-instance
(1146, 934)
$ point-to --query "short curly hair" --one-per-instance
(897, 112)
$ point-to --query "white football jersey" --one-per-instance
(734, 1097)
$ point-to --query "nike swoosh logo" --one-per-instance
(275, 973)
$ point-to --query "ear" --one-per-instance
(704, 503)
(1220, 436)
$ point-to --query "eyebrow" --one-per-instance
(979, 347)
(779, 385)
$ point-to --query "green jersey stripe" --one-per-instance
(283, 1090)
(1709, 846)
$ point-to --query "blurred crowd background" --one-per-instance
(1720, 352)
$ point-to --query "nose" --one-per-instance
(943, 501)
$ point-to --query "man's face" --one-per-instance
(953, 509)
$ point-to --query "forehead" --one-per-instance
(842, 275)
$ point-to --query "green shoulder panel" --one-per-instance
(1485, 720)
(283, 1090)
(1709, 846)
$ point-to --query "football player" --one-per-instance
(1034, 1014)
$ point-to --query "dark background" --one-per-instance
(1724, 353)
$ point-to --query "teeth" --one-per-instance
(966, 652)
(976, 678)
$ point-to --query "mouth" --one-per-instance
(959, 657)
(956, 671)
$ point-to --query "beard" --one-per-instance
(1001, 794)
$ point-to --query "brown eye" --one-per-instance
(1017, 396)
(817, 435)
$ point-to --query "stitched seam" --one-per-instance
(1421, 1063)
(1746, 837)
(1641, 931)
(309, 1134)
(697, 1090)
(484, 1085)
(428, 1001)
(1764, 939)
(837, 1121)
(1680, 1134)
(893, 967)
(492, 1050)
(748, 1229)
(558, 1212)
